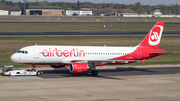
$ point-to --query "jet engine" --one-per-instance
(76, 67)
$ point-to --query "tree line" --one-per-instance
(138, 7)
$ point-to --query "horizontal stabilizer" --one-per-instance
(162, 53)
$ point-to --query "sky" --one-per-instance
(146, 2)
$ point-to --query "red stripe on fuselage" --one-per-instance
(45, 63)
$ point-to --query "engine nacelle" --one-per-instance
(57, 66)
(78, 67)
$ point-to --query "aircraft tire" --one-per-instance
(94, 72)
(38, 73)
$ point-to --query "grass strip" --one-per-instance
(10, 45)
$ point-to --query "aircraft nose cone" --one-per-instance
(14, 58)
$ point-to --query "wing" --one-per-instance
(97, 62)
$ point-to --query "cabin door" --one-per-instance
(139, 54)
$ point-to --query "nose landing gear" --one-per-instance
(33, 68)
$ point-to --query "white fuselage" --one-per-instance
(66, 54)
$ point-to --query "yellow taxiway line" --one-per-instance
(3, 76)
(173, 78)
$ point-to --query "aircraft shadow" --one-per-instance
(118, 69)
(103, 73)
(128, 69)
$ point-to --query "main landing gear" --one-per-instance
(94, 72)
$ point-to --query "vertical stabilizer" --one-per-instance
(154, 36)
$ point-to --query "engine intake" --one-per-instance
(75, 67)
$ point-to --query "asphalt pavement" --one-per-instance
(114, 83)
(85, 22)
(113, 71)
(83, 33)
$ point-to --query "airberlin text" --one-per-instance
(66, 53)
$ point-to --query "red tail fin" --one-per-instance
(154, 36)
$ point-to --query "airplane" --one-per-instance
(83, 58)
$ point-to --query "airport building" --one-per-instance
(77, 12)
(15, 13)
(117, 12)
(4, 12)
(56, 11)
(157, 12)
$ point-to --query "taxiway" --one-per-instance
(83, 33)
(114, 83)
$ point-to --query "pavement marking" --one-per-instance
(3, 76)
(173, 78)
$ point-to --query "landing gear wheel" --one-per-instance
(94, 72)
(38, 73)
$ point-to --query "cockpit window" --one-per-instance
(19, 51)
(22, 51)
